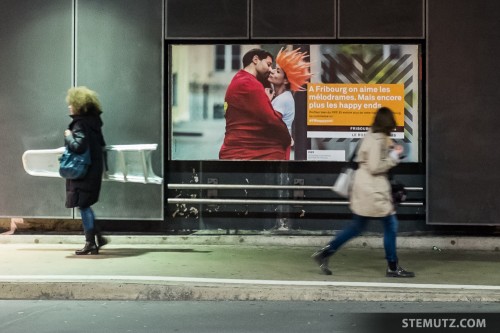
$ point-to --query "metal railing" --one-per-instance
(214, 201)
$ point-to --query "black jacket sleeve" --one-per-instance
(77, 141)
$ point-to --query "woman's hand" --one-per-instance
(398, 149)
(395, 152)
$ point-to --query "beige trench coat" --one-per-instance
(371, 193)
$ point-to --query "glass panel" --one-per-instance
(349, 83)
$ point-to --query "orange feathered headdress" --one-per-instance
(297, 70)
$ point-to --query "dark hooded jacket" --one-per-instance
(86, 133)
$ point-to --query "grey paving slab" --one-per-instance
(180, 270)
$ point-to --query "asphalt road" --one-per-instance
(20, 316)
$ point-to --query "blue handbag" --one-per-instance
(73, 165)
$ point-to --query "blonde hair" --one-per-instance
(83, 100)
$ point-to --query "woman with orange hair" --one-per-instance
(290, 74)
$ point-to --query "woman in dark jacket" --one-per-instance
(84, 132)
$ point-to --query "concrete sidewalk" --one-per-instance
(253, 267)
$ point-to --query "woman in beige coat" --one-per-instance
(371, 195)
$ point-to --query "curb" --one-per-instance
(198, 291)
(371, 242)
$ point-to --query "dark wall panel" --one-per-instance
(381, 19)
(293, 19)
(119, 52)
(272, 217)
(463, 99)
(35, 72)
(206, 19)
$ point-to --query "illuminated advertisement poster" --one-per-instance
(333, 110)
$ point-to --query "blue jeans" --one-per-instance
(87, 218)
(358, 225)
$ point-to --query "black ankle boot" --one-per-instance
(321, 257)
(394, 270)
(101, 240)
(90, 246)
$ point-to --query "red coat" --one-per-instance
(254, 131)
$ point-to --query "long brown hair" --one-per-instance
(384, 121)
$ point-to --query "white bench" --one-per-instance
(126, 163)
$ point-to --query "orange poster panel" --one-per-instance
(352, 104)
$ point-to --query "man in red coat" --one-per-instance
(254, 131)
